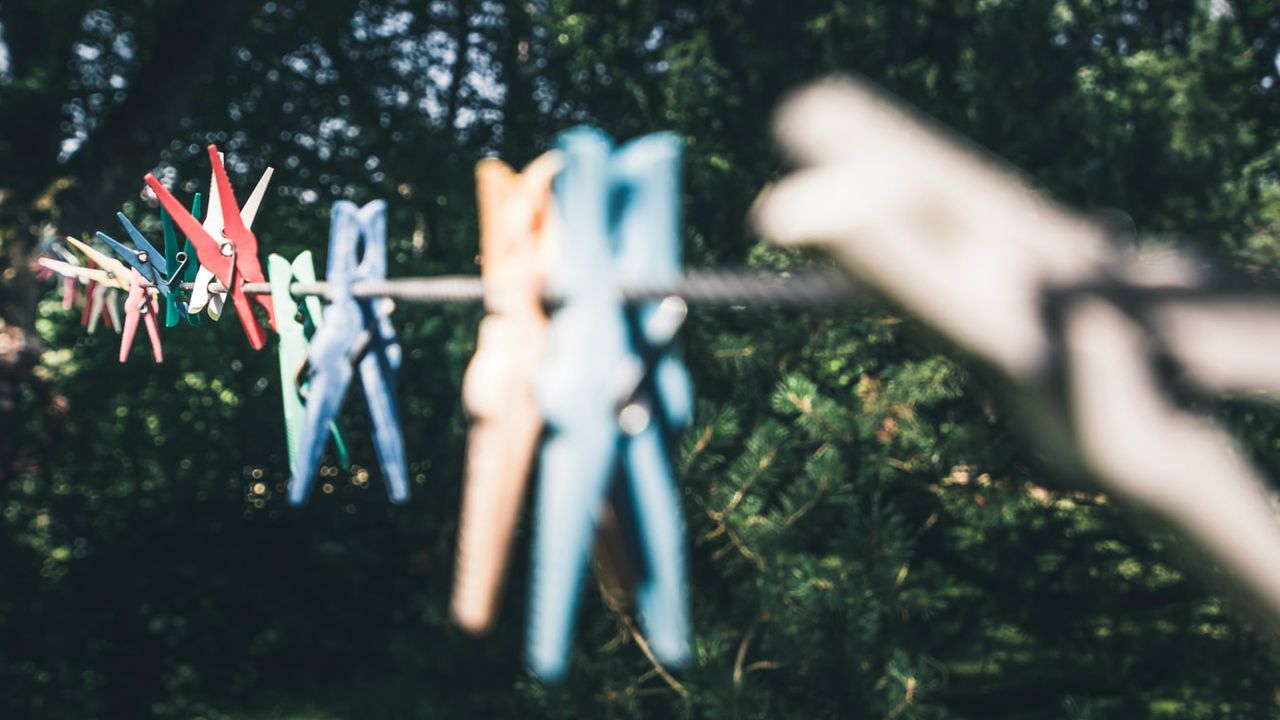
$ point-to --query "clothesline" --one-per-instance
(723, 288)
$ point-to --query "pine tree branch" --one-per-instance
(648, 653)
(611, 602)
(811, 503)
(742, 652)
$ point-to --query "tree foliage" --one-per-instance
(869, 534)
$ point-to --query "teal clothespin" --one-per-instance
(171, 250)
(296, 323)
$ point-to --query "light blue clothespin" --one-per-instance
(613, 394)
(356, 332)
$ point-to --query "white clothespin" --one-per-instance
(970, 249)
(104, 296)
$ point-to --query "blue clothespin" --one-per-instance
(613, 394)
(356, 332)
(146, 260)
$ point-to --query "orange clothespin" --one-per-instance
(517, 228)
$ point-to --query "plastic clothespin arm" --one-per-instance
(579, 457)
(142, 245)
(378, 366)
(78, 272)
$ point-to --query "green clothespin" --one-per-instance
(175, 307)
(295, 323)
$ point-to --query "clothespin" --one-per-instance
(612, 393)
(295, 322)
(1086, 337)
(96, 295)
(141, 304)
(108, 274)
(150, 264)
(43, 248)
(172, 252)
(108, 297)
(69, 283)
(202, 297)
(76, 273)
(356, 332)
(233, 263)
(517, 229)
(111, 273)
(90, 286)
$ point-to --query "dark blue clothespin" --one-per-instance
(613, 394)
(144, 258)
(356, 332)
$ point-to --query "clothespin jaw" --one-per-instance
(356, 334)
(140, 305)
(118, 273)
(143, 257)
(104, 297)
(173, 250)
(294, 323)
(612, 395)
(234, 263)
(517, 229)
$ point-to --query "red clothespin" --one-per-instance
(141, 304)
(89, 286)
(234, 269)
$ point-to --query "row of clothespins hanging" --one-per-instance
(598, 373)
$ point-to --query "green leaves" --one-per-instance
(868, 536)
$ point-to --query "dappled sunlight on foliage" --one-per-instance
(869, 533)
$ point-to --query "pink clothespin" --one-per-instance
(141, 304)
(69, 286)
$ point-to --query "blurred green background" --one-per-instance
(869, 535)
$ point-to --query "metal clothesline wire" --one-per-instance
(721, 288)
